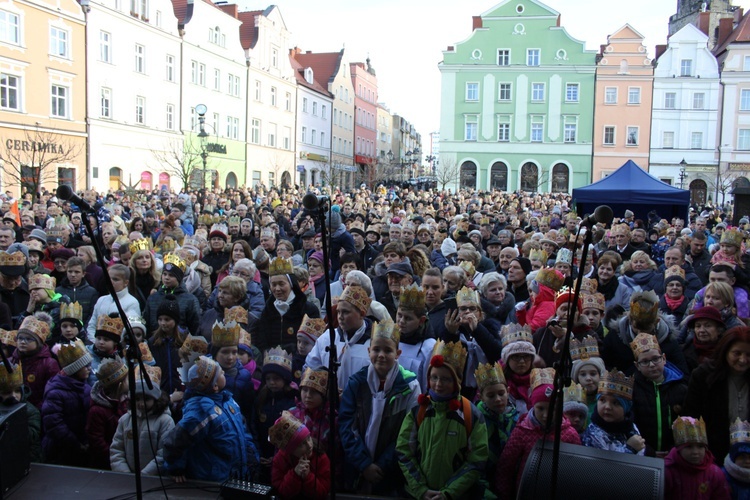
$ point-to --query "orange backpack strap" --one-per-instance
(467, 415)
(420, 414)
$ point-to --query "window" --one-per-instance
(236, 86)
(745, 100)
(696, 140)
(257, 90)
(303, 139)
(288, 102)
(9, 93)
(667, 140)
(170, 116)
(746, 64)
(158, 19)
(609, 135)
(140, 54)
(193, 118)
(743, 139)
(532, 57)
(537, 128)
(272, 135)
(634, 95)
(472, 91)
(10, 30)
(315, 108)
(471, 127)
(686, 67)
(571, 92)
(215, 123)
(504, 92)
(255, 131)
(217, 79)
(503, 57)
(287, 139)
(139, 8)
(59, 101)
(632, 138)
(570, 127)
(58, 42)
(670, 100)
(313, 137)
(202, 75)
(699, 99)
(275, 57)
(106, 111)
(537, 91)
(140, 109)
(503, 128)
(105, 47)
(610, 95)
(216, 37)
(170, 68)
(322, 139)
(233, 127)
(323, 113)
(304, 104)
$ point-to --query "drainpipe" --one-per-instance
(86, 9)
(721, 128)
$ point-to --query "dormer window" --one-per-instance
(216, 37)
(309, 75)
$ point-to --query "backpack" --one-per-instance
(466, 406)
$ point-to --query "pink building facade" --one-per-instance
(365, 119)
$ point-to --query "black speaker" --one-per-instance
(14, 446)
(591, 473)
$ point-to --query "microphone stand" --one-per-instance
(133, 355)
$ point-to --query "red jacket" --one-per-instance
(541, 310)
(695, 482)
(101, 425)
(316, 485)
(37, 370)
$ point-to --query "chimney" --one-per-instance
(476, 22)
(660, 49)
(230, 9)
(726, 26)
(704, 19)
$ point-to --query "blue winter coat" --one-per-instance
(240, 385)
(740, 488)
(66, 403)
(210, 442)
(254, 304)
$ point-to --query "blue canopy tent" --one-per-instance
(632, 188)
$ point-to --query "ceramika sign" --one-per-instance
(41, 147)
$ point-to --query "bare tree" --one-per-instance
(33, 161)
(724, 182)
(532, 179)
(279, 165)
(181, 159)
(446, 172)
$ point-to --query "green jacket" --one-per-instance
(438, 455)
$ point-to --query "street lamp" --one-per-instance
(203, 137)
(683, 173)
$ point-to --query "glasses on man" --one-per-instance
(468, 308)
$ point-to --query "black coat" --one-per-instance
(272, 329)
(215, 260)
(671, 398)
(190, 309)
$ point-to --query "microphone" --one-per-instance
(65, 192)
(311, 201)
(602, 214)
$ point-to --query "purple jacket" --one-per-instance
(66, 403)
(37, 370)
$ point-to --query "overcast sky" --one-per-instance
(405, 38)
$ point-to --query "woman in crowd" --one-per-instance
(240, 250)
(615, 293)
(145, 273)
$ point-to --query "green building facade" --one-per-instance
(517, 107)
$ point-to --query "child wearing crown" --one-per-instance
(71, 325)
(36, 359)
(12, 392)
(530, 428)
(690, 472)
(307, 335)
(416, 337)
(120, 276)
(373, 405)
(108, 404)
(587, 370)
(442, 445)
(612, 426)
(312, 409)
(225, 339)
(107, 342)
(45, 299)
(737, 462)
(518, 356)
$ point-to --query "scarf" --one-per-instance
(532, 418)
(703, 350)
(735, 471)
(283, 305)
(441, 399)
(673, 304)
(379, 399)
(625, 427)
(519, 387)
(608, 289)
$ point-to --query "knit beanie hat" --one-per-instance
(174, 266)
(448, 247)
(111, 372)
(574, 400)
(169, 307)
(578, 365)
(74, 356)
(525, 264)
(563, 296)
(279, 362)
(154, 374)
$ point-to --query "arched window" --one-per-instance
(468, 175)
(529, 177)
(147, 180)
(231, 180)
(560, 178)
(623, 66)
(499, 176)
(164, 181)
(115, 178)
(698, 191)
(286, 179)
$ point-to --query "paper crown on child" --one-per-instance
(739, 432)
(644, 342)
(467, 296)
(8, 337)
(542, 376)
(488, 374)
(141, 244)
(539, 255)
(564, 256)
(154, 374)
(201, 374)
(225, 334)
(642, 314)
(312, 328)
(689, 430)
(674, 272)
(551, 278)
(13, 381)
(236, 314)
(61, 221)
(386, 329)
(193, 347)
(451, 355)
(175, 261)
(584, 349)
(287, 433)
(246, 342)
(279, 266)
(74, 356)
(468, 268)
(514, 332)
(33, 326)
(356, 296)
(109, 327)
(616, 384)
(412, 297)
(146, 355)
(111, 371)
(574, 393)
(315, 379)
(279, 362)
(732, 237)
(72, 312)
(43, 281)
(593, 301)
(589, 286)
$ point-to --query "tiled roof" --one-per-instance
(299, 72)
(248, 30)
(325, 65)
(180, 8)
(740, 34)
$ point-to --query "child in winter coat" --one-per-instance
(587, 370)
(575, 408)
(690, 472)
(120, 276)
(65, 406)
(298, 470)
(106, 345)
(34, 356)
(45, 299)
(225, 340)
(107, 406)
(518, 357)
(373, 405)
(12, 392)
(307, 335)
(247, 355)
(166, 342)
(417, 339)
(530, 428)
(737, 462)
(612, 426)
(71, 325)
(312, 408)
(154, 424)
(210, 443)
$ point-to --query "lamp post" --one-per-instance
(203, 137)
(683, 173)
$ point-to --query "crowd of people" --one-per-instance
(449, 312)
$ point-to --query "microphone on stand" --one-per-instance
(312, 201)
(65, 192)
(602, 214)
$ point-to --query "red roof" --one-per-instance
(248, 30)
(740, 34)
(181, 7)
(325, 65)
(299, 73)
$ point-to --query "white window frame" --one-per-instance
(686, 67)
(56, 98)
(304, 104)
(6, 89)
(745, 100)
(743, 139)
(576, 91)
(217, 79)
(140, 110)
(505, 54)
(570, 129)
(288, 101)
(255, 130)
(140, 58)
(536, 125)
(10, 27)
(533, 56)
(258, 90)
(536, 87)
(105, 47)
(670, 98)
(501, 91)
(631, 94)
(612, 129)
(472, 91)
(503, 128)
(286, 140)
(303, 135)
(607, 95)
(471, 128)
(59, 42)
(693, 142)
(628, 134)
(667, 139)
(272, 130)
(169, 76)
(170, 117)
(105, 110)
(273, 96)
(699, 100)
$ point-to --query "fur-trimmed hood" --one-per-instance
(665, 328)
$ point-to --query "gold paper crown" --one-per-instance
(146, 355)
(739, 432)
(278, 356)
(454, 354)
(204, 376)
(467, 296)
(112, 326)
(237, 314)
(617, 384)
(70, 353)
(142, 244)
(8, 337)
(225, 334)
(175, 260)
(206, 219)
(545, 220)
(488, 374)
(574, 393)
(593, 301)
(313, 327)
(74, 310)
(674, 271)
(219, 227)
(246, 339)
(589, 286)
(732, 237)
(55, 232)
(565, 256)
(315, 379)
(152, 372)
(514, 332)
(644, 315)
(192, 241)
(689, 430)
(356, 296)
(61, 220)
(111, 371)
(13, 381)
(358, 225)
(279, 266)
(468, 268)
(644, 342)
(34, 245)
(412, 297)
(193, 347)
(542, 376)
(484, 220)
(539, 255)
(12, 259)
(386, 329)
(550, 278)
(235, 220)
(267, 232)
(44, 281)
(31, 325)
(283, 430)
(584, 349)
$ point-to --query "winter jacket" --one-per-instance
(286, 482)
(96, 360)
(35, 426)
(254, 304)
(701, 265)
(105, 305)
(482, 346)
(151, 437)
(212, 315)
(642, 280)
(215, 260)
(540, 311)
(199, 278)
(354, 416)
(272, 329)
(367, 255)
(189, 308)
(544, 341)
(101, 426)
(416, 352)
(683, 480)
(499, 428)
(210, 443)
(266, 413)
(95, 277)
(505, 313)
(738, 479)
(677, 314)
(240, 385)
(596, 437)
(17, 300)
(340, 238)
(166, 356)
(621, 297)
(437, 259)
(740, 300)
(656, 406)
(317, 422)
(437, 454)
(66, 403)
(37, 370)
(693, 282)
(352, 356)
(85, 294)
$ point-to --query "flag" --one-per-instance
(14, 211)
